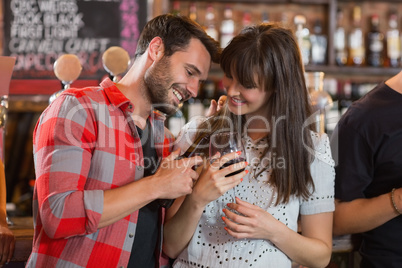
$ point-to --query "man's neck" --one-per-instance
(133, 87)
(140, 121)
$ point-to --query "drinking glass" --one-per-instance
(224, 143)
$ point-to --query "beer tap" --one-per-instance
(115, 61)
(67, 69)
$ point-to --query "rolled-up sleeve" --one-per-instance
(64, 139)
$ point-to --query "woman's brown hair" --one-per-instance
(270, 52)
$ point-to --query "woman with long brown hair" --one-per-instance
(290, 173)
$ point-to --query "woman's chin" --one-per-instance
(236, 110)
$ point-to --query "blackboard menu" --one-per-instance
(37, 32)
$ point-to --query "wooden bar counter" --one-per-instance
(343, 252)
(23, 231)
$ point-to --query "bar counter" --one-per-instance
(23, 231)
(343, 252)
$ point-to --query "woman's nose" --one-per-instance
(232, 89)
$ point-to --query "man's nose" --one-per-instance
(193, 87)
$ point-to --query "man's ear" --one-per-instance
(156, 48)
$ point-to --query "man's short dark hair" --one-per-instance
(176, 32)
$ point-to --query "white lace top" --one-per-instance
(211, 246)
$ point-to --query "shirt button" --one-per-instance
(131, 235)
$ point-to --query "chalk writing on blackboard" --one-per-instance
(37, 32)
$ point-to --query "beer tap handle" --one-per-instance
(115, 61)
(67, 69)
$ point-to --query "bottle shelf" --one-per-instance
(373, 1)
(268, 1)
(320, 7)
(353, 70)
(335, 70)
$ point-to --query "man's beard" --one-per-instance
(158, 81)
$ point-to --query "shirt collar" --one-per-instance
(117, 98)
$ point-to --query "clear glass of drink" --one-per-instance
(224, 143)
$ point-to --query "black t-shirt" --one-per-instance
(367, 146)
(144, 253)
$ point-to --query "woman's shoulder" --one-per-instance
(319, 140)
(322, 148)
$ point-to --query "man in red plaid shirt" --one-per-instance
(100, 177)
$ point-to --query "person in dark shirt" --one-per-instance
(367, 146)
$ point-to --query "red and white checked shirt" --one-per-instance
(86, 142)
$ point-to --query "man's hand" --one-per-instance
(175, 178)
(214, 179)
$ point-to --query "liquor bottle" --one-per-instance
(246, 21)
(209, 26)
(195, 108)
(318, 44)
(285, 19)
(401, 46)
(227, 27)
(303, 38)
(265, 17)
(176, 122)
(193, 11)
(345, 98)
(332, 115)
(393, 42)
(356, 40)
(341, 55)
(375, 43)
(176, 8)
(208, 90)
(220, 90)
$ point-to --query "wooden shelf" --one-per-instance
(374, 1)
(307, 2)
(353, 71)
(23, 231)
(335, 70)
(320, 2)
(248, 2)
(310, 2)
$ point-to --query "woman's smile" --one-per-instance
(236, 101)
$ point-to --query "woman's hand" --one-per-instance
(215, 106)
(253, 221)
(182, 218)
(257, 223)
(212, 182)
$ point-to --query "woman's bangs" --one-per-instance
(240, 66)
(245, 71)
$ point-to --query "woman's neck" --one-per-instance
(257, 128)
